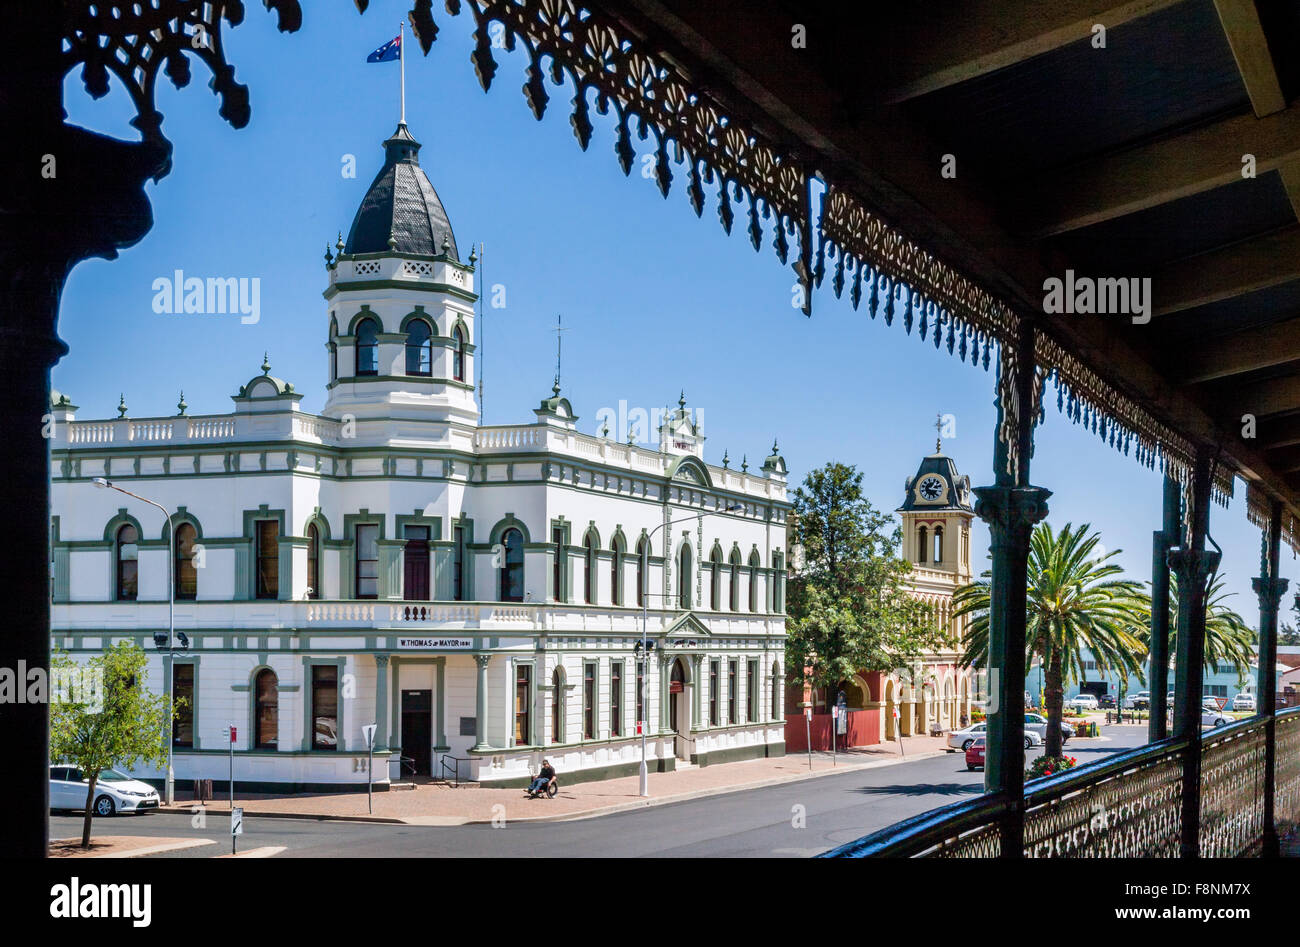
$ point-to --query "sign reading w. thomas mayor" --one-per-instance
(435, 644)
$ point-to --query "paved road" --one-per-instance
(759, 822)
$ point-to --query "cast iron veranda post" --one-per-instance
(1162, 540)
(1270, 588)
(1193, 564)
(65, 194)
(1011, 507)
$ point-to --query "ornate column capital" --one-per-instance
(382, 660)
(1270, 592)
(1007, 509)
(482, 661)
(1193, 565)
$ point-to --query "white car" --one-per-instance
(114, 792)
(1244, 701)
(1140, 700)
(1213, 717)
(962, 739)
(1082, 702)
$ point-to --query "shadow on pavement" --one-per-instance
(924, 789)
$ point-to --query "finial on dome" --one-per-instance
(392, 240)
(340, 244)
(121, 405)
(328, 258)
(266, 363)
(182, 406)
(473, 255)
(938, 430)
(681, 401)
(446, 244)
(725, 460)
(744, 463)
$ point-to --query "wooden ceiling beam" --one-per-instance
(1264, 398)
(1249, 45)
(1242, 268)
(951, 43)
(1160, 172)
(1236, 354)
(1280, 432)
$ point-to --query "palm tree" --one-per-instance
(1228, 639)
(1073, 602)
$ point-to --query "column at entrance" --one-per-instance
(480, 702)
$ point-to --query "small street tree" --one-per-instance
(129, 725)
(848, 603)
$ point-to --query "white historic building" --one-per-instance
(472, 591)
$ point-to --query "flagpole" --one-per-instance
(401, 57)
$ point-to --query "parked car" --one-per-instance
(975, 755)
(1082, 702)
(114, 791)
(1211, 716)
(962, 739)
(1139, 701)
(1244, 701)
(1107, 701)
(1038, 724)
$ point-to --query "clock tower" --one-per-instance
(937, 516)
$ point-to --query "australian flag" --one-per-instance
(388, 52)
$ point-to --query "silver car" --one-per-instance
(962, 739)
(1038, 724)
(114, 791)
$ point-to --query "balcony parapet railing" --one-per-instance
(1127, 806)
(325, 614)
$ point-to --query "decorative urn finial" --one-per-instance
(121, 405)
(181, 405)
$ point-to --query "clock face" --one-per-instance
(931, 488)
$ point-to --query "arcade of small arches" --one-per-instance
(941, 701)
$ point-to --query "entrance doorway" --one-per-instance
(417, 730)
(679, 713)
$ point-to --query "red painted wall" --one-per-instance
(864, 730)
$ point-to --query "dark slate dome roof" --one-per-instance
(403, 203)
(942, 466)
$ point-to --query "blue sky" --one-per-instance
(656, 299)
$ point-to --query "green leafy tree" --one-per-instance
(129, 725)
(1075, 601)
(1288, 636)
(848, 604)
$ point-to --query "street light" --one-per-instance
(645, 612)
(169, 790)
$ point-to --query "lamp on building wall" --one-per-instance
(169, 790)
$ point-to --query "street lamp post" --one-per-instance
(169, 791)
(645, 613)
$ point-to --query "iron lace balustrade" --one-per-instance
(1128, 806)
(1286, 786)
(1125, 806)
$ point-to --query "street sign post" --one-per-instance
(369, 731)
(236, 826)
(807, 725)
(233, 733)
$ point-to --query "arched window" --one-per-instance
(557, 706)
(753, 581)
(187, 575)
(589, 580)
(733, 593)
(938, 544)
(266, 710)
(334, 350)
(419, 348)
(920, 544)
(715, 585)
(642, 555)
(512, 569)
(313, 561)
(127, 563)
(367, 347)
(458, 354)
(616, 572)
(684, 577)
